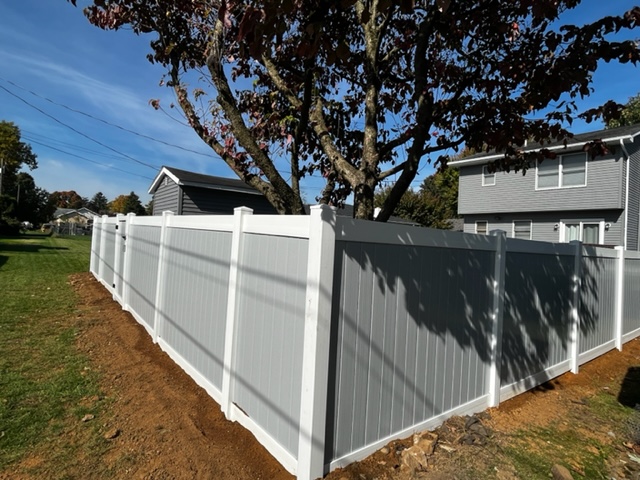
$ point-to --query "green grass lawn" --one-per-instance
(42, 376)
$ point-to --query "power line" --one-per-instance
(77, 131)
(85, 159)
(106, 122)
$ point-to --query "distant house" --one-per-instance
(572, 197)
(80, 216)
(189, 193)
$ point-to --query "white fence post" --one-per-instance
(92, 259)
(158, 316)
(128, 251)
(317, 333)
(117, 273)
(103, 248)
(497, 314)
(229, 334)
(574, 327)
(619, 297)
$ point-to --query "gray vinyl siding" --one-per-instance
(165, 197)
(196, 201)
(543, 223)
(517, 192)
(402, 317)
(633, 240)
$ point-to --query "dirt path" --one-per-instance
(166, 427)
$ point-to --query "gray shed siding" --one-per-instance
(410, 328)
(196, 201)
(165, 197)
(633, 235)
(543, 223)
(517, 192)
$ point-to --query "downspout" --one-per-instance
(626, 195)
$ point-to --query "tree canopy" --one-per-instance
(127, 204)
(67, 199)
(362, 91)
(14, 154)
(630, 114)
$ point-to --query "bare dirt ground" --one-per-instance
(157, 424)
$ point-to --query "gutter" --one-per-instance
(626, 194)
(488, 158)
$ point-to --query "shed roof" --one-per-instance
(192, 179)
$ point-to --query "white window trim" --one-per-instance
(513, 228)
(476, 227)
(582, 221)
(493, 175)
(560, 165)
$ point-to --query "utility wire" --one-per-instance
(153, 167)
(85, 159)
(106, 122)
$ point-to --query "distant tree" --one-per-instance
(133, 205)
(127, 204)
(362, 90)
(32, 202)
(630, 114)
(149, 208)
(433, 205)
(67, 199)
(14, 154)
(99, 204)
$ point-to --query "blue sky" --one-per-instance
(48, 50)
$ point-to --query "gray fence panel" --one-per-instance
(631, 311)
(109, 253)
(538, 301)
(411, 327)
(195, 298)
(597, 302)
(96, 239)
(144, 241)
(270, 328)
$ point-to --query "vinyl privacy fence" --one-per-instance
(328, 337)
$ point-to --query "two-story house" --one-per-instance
(572, 197)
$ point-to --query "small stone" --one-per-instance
(561, 473)
(111, 434)
(384, 450)
(446, 448)
(414, 459)
(88, 417)
(426, 442)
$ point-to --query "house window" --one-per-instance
(567, 171)
(481, 228)
(488, 178)
(587, 231)
(522, 229)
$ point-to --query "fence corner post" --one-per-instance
(158, 304)
(229, 334)
(497, 317)
(126, 276)
(574, 328)
(317, 336)
(619, 297)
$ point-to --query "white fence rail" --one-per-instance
(328, 337)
